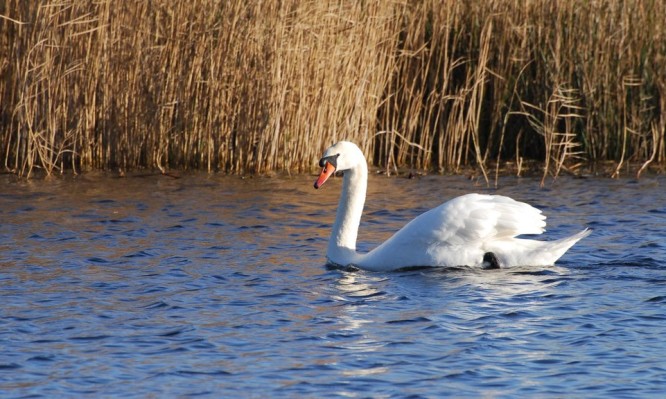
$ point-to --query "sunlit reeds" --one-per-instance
(249, 86)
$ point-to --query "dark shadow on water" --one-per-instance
(348, 268)
(435, 269)
(516, 270)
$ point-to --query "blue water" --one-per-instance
(217, 287)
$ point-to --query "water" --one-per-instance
(215, 286)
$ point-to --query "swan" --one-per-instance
(470, 230)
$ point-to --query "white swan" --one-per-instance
(471, 230)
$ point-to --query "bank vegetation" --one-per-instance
(251, 86)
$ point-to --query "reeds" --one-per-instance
(253, 86)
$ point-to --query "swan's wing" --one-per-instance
(455, 232)
(476, 217)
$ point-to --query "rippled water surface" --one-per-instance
(217, 287)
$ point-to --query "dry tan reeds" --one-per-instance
(254, 86)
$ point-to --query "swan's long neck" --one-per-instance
(342, 244)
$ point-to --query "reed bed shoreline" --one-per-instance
(245, 87)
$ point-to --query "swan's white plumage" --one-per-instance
(456, 233)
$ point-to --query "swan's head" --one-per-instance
(343, 155)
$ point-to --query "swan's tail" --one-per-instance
(555, 249)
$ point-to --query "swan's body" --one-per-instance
(460, 232)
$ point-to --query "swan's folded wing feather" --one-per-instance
(474, 217)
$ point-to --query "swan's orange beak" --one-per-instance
(325, 174)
